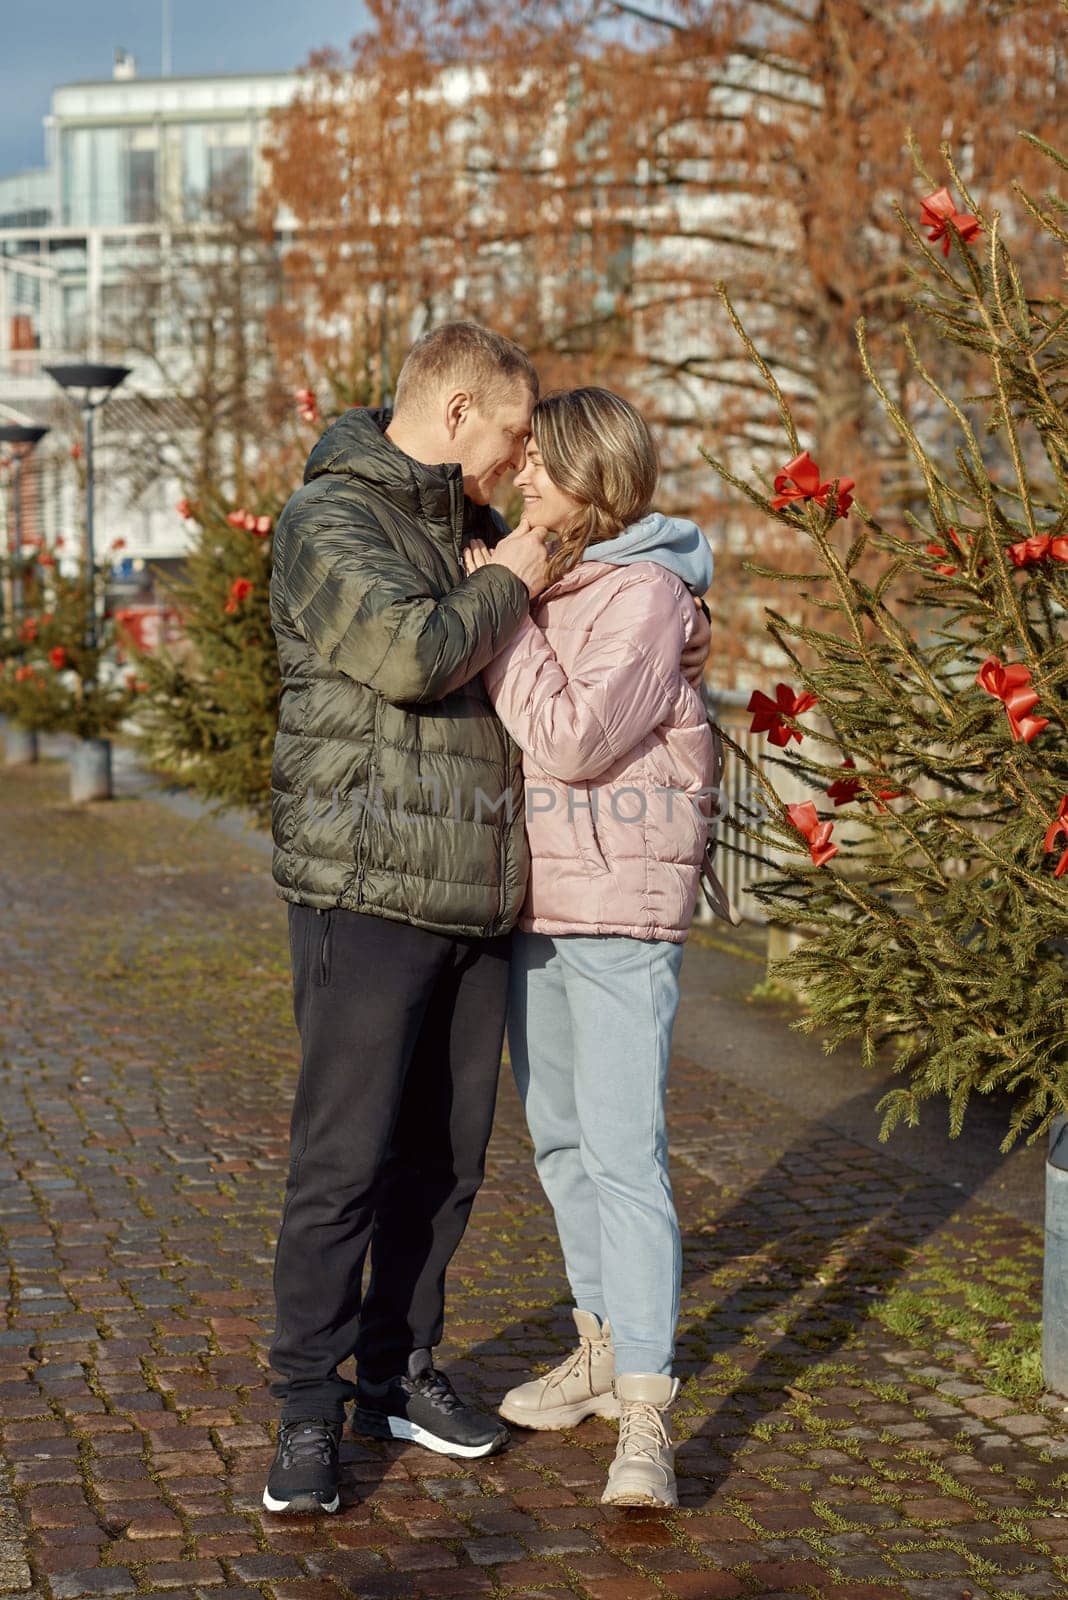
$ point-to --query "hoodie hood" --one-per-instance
(672, 542)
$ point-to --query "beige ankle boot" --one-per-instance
(643, 1472)
(579, 1387)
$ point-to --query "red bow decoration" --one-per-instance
(768, 714)
(940, 550)
(945, 570)
(240, 590)
(843, 790)
(1058, 825)
(938, 213)
(307, 405)
(261, 526)
(1011, 685)
(846, 789)
(800, 480)
(817, 833)
(1028, 551)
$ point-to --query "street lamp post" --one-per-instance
(90, 385)
(22, 440)
(96, 383)
(20, 744)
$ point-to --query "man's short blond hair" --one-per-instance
(462, 355)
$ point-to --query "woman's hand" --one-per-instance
(695, 654)
(523, 551)
(476, 554)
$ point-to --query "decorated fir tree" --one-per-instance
(60, 671)
(27, 695)
(926, 716)
(210, 712)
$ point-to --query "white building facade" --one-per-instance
(131, 164)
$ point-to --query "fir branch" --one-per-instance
(1042, 217)
(936, 485)
(761, 366)
(1048, 150)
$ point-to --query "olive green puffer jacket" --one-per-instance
(395, 789)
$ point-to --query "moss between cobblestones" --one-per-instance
(782, 1333)
(989, 1311)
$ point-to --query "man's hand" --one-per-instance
(695, 655)
(522, 552)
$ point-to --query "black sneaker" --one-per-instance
(422, 1405)
(304, 1473)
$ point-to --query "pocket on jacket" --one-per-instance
(582, 815)
(322, 950)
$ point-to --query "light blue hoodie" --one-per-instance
(672, 542)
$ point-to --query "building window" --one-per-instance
(32, 217)
(229, 167)
(217, 168)
(142, 175)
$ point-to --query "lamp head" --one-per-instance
(22, 438)
(87, 376)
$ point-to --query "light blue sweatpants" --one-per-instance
(589, 1032)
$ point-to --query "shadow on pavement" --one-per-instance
(826, 1198)
(808, 1206)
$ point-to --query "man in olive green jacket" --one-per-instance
(399, 843)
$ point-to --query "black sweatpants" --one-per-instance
(401, 1033)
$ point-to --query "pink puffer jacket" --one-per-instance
(617, 751)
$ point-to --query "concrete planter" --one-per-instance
(90, 771)
(1055, 1269)
(20, 745)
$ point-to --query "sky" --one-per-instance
(44, 43)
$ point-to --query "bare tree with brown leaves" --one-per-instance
(584, 174)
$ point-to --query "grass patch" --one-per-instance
(1009, 1347)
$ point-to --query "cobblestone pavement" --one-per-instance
(147, 1063)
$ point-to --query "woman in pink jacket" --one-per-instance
(618, 763)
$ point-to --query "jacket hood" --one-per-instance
(672, 542)
(355, 446)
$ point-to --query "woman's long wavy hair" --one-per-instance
(598, 449)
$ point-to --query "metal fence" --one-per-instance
(728, 709)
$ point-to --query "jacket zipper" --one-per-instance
(456, 520)
(456, 496)
(372, 782)
(502, 853)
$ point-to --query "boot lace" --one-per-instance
(436, 1388)
(642, 1431)
(307, 1442)
(575, 1362)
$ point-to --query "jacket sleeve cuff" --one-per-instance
(516, 587)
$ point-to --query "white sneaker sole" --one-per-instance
(300, 1505)
(401, 1428)
(556, 1417)
(639, 1497)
